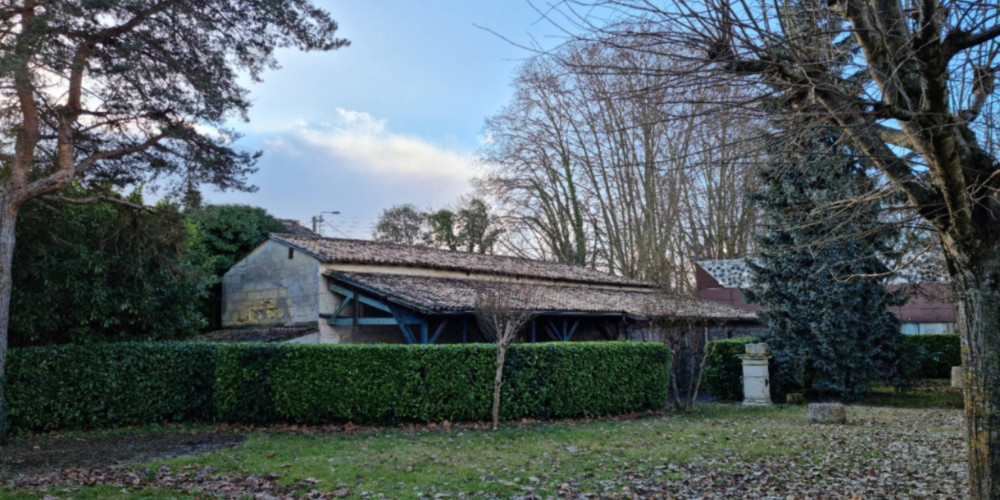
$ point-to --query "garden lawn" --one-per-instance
(721, 451)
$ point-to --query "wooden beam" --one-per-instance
(343, 305)
(362, 321)
(572, 330)
(405, 318)
(437, 332)
(377, 304)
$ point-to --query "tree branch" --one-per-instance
(97, 197)
(958, 40)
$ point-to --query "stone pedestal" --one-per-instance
(756, 383)
(826, 413)
(957, 378)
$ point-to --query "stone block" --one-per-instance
(957, 377)
(826, 413)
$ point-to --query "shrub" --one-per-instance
(244, 382)
(930, 356)
(724, 369)
(110, 385)
(379, 383)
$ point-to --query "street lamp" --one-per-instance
(317, 220)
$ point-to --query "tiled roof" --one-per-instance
(444, 295)
(293, 227)
(334, 250)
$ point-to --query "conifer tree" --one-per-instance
(827, 319)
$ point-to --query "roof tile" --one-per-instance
(335, 250)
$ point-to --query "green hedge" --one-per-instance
(108, 385)
(931, 356)
(724, 369)
(387, 383)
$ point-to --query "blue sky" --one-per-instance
(394, 118)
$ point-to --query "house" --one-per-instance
(356, 291)
(929, 308)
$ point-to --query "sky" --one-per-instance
(394, 118)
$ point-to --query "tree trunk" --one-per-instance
(498, 381)
(8, 219)
(977, 292)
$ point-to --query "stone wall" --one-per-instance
(274, 285)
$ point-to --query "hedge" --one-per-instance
(924, 356)
(109, 385)
(724, 369)
(931, 356)
(388, 383)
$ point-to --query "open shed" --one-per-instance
(358, 291)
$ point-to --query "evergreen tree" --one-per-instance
(828, 325)
(222, 235)
(472, 228)
(103, 271)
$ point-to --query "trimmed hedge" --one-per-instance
(388, 383)
(931, 356)
(108, 385)
(924, 356)
(724, 369)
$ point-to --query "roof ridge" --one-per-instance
(442, 251)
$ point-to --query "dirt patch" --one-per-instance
(55, 453)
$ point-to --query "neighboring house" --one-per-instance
(361, 291)
(293, 226)
(930, 305)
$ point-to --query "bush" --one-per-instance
(930, 356)
(388, 383)
(724, 369)
(244, 386)
(110, 385)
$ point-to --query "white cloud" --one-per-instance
(367, 143)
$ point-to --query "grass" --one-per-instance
(400, 463)
(90, 493)
(930, 393)
(405, 464)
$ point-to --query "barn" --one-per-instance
(330, 290)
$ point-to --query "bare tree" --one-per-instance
(910, 83)
(604, 171)
(686, 339)
(502, 310)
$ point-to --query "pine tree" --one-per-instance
(828, 324)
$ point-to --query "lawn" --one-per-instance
(721, 450)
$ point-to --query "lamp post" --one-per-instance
(317, 221)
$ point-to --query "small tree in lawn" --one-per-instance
(686, 339)
(502, 309)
